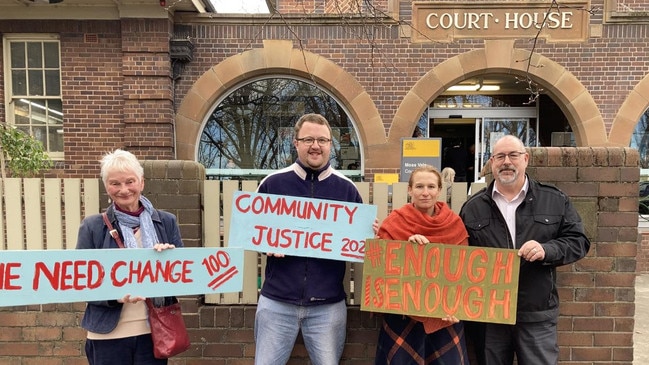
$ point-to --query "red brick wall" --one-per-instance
(117, 89)
(91, 75)
(147, 88)
(630, 6)
(328, 6)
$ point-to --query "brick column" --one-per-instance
(176, 186)
(148, 88)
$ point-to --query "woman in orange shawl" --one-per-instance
(407, 339)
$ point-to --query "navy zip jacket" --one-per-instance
(545, 215)
(302, 280)
(102, 316)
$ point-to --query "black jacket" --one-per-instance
(545, 215)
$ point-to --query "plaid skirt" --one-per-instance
(403, 341)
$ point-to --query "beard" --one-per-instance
(507, 179)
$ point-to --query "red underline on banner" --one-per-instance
(221, 279)
(360, 257)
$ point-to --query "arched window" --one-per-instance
(250, 131)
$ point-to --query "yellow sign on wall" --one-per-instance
(421, 147)
(386, 178)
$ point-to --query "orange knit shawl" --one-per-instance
(443, 227)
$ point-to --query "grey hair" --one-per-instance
(511, 137)
(122, 161)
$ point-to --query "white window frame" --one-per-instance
(8, 88)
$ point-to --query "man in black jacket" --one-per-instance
(540, 222)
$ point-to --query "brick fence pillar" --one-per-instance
(176, 186)
(597, 293)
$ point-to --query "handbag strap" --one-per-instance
(113, 232)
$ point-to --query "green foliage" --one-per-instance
(22, 155)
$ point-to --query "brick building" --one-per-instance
(151, 76)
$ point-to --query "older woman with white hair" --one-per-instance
(448, 177)
(118, 330)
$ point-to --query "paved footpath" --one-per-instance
(641, 332)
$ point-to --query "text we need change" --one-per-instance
(301, 226)
(64, 276)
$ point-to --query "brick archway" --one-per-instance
(277, 56)
(500, 56)
(630, 112)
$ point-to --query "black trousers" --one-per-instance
(533, 343)
(135, 350)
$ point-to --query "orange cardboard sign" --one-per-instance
(433, 280)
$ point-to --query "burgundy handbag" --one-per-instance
(168, 329)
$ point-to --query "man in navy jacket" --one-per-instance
(302, 293)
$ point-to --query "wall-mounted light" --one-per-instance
(464, 88)
(476, 87)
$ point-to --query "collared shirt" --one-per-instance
(508, 207)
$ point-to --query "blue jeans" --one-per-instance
(135, 350)
(277, 325)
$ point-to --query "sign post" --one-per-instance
(416, 152)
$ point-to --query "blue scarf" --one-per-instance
(128, 222)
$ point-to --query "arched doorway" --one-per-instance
(471, 115)
(500, 57)
(561, 90)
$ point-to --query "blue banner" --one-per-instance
(64, 276)
(301, 226)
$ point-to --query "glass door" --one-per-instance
(490, 124)
(489, 130)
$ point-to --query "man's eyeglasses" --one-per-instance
(513, 156)
(309, 141)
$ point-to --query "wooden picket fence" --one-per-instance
(40, 214)
(44, 214)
